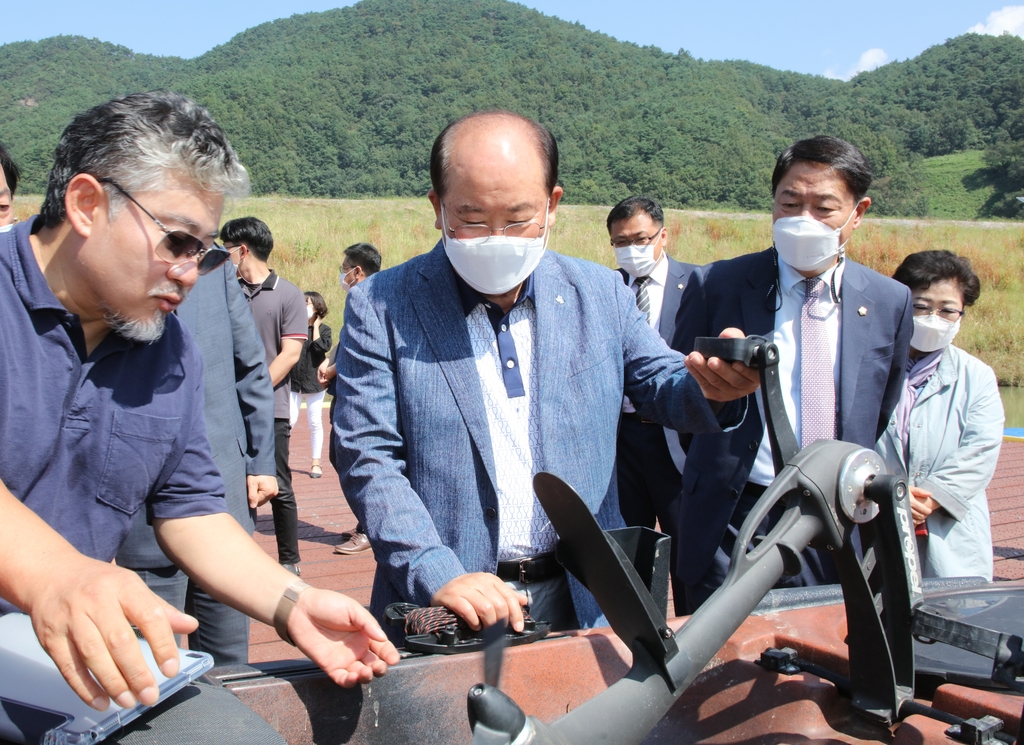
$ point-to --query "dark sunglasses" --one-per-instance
(178, 247)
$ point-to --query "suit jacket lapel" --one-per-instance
(439, 309)
(670, 301)
(756, 305)
(557, 312)
(854, 336)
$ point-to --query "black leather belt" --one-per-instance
(634, 417)
(756, 489)
(530, 569)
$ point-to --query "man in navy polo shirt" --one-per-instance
(101, 410)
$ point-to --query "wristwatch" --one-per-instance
(284, 608)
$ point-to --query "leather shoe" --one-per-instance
(357, 544)
(315, 472)
(293, 568)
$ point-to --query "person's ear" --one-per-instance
(556, 197)
(435, 201)
(862, 207)
(85, 202)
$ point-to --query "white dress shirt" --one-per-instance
(656, 294)
(786, 337)
(514, 425)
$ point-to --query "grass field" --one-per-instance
(958, 185)
(310, 235)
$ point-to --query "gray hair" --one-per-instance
(142, 141)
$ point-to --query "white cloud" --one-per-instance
(1009, 20)
(871, 59)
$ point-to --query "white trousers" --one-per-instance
(314, 407)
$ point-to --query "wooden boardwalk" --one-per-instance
(324, 515)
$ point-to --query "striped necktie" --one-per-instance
(643, 300)
(817, 379)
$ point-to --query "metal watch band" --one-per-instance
(284, 608)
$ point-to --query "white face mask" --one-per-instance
(806, 244)
(637, 260)
(345, 284)
(932, 333)
(496, 264)
(309, 312)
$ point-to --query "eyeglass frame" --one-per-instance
(647, 242)
(491, 231)
(937, 311)
(218, 252)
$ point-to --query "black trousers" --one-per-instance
(286, 513)
(649, 486)
(816, 567)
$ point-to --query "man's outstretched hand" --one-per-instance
(481, 599)
(340, 636)
(722, 381)
(83, 620)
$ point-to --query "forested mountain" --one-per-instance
(347, 102)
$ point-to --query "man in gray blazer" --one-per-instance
(241, 432)
(649, 458)
(466, 370)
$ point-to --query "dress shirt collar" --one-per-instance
(471, 298)
(790, 278)
(658, 275)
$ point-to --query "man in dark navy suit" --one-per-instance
(843, 333)
(649, 458)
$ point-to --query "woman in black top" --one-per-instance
(303, 375)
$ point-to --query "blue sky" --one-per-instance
(833, 39)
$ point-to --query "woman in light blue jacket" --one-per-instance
(947, 428)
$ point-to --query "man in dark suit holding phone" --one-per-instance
(843, 333)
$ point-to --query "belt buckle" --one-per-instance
(522, 570)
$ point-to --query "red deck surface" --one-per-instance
(324, 515)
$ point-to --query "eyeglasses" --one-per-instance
(947, 314)
(641, 241)
(471, 231)
(178, 247)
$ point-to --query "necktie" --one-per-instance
(817, 381)
(643, 300)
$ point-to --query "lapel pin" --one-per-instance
(558, 299)
(679, 286)
(862, 311)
